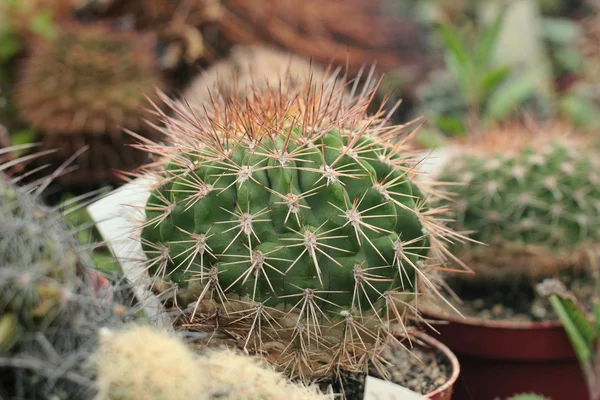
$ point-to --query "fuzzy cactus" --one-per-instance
(52, 301)
(142, 363)
(532, 194)
(293, 219)
(88, 78)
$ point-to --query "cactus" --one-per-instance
(51, 300)
(249, 68)
(528, 396)
(533, 195)
(89, 78)
(293, 219)
(140, 363)
(144, 363)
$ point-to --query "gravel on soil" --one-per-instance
(420, 369)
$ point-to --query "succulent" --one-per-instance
(532, 193)
(166, 369)
(89, 78)
(140, 362)
(82, 88)
(528, 396)
(52, 300)
(293, 219)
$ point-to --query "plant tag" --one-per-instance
(378, 389)
(117, 216)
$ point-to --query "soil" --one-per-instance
(420, 370)
(517, 302)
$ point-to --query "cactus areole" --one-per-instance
(299, 208)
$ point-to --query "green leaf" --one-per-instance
(429, 138)
(43, 24)
(560, 31)
(22, 136)
(462, 75)
(569, 60)
(451, 125)
(454, 44)
(9, 46)
(581, 111)
(508, 98)
(576, 324)
(487, 43)
(597, 318)
(493, 79)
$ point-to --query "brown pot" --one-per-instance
(499, 359)
(444, 392)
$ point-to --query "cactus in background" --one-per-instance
(82, 88)
(52, 301)
(528, 396)
(144, 363)
(293, 219)
(533, 195)
(89, 78)
(248, 68)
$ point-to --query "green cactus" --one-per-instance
(297, 215)
(534, 197)
(528, 396)
(52, 301)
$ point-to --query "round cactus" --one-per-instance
(532, 195)
(298, 217)
(88, 78)
(52, 301)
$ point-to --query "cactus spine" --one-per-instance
(292, 218)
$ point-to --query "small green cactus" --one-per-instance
(52, 301)
(533, 197)
(528, 396)
(295, 217)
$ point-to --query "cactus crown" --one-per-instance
(88, 78)
(296, 215)
(529, 194)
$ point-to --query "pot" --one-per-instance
(445, 391)
(499, 359)
(376, 388)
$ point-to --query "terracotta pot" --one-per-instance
(499, 359)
